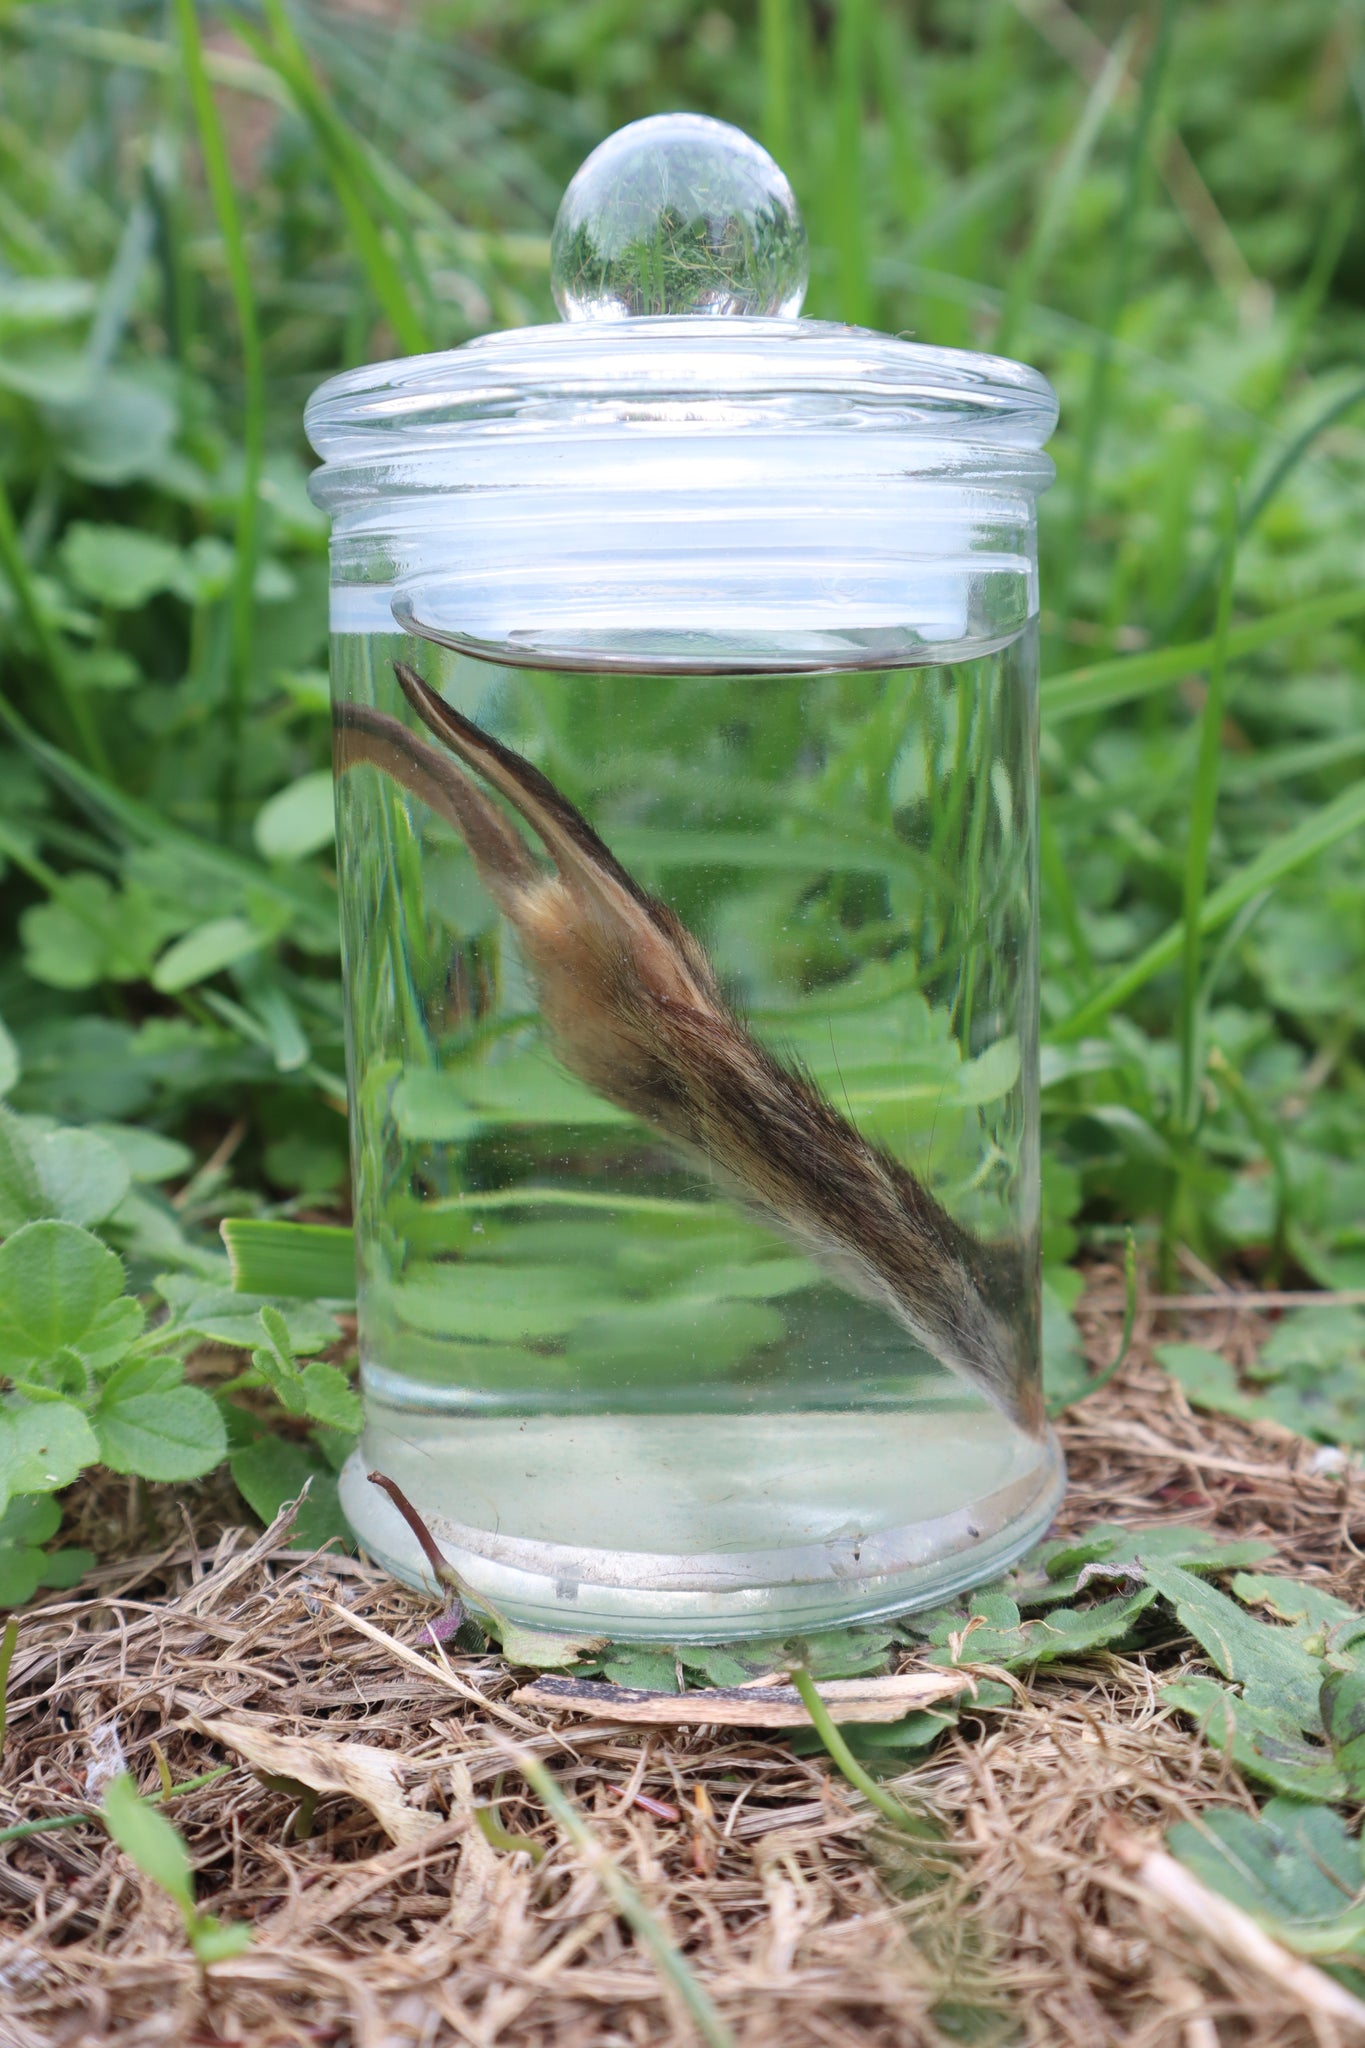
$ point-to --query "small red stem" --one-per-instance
(444, 1575)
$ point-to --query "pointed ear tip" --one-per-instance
(418, 693)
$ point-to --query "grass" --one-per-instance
(889, 1807)
(206, 210)
(361, 194)
(1115, 292)
(1203, 811)
(49, 647)
(246, 529)
(1136, 214)
(1340, 819)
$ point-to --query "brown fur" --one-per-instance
(632, 1006)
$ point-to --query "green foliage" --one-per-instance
(651, 1670)
(298, 820)
(1287, 1706)
(1310, 1376)
(1269, 1717)
(118, 565)
(25, 1526)
(1062, 1567)
(310, 1260)
(87, 1381)
(992, 1631)
(1293, 1867)
(9, 1638)
(149, 1840)
(316, 1390)
(844, 1759)
(93, 1374)
(270, 1471)
(148, 1423)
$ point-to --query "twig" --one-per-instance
(213, 1165)
(1249, 1303)
(439, 1674)
(746, 1706)
(1234, 1931)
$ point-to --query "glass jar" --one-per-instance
(684, 667)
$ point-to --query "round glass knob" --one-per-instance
(678, 214)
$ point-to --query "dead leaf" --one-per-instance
(774, 1706)
(357, 1769)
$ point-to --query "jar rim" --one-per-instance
(687, 373)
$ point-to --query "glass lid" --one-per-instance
(684, 474)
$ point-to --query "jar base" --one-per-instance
(746, 1589)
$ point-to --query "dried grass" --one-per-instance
(803, 1921)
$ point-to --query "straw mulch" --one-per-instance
(803, 1921)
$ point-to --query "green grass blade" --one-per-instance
(898, 98)
(1095, 413)
(1103, 684)
(242, 596)
(1334, 822)
(15, 570)
(848, 183)
(1283, 764)
(1260, 1120)
(7, 1644)
(130, 819)
(1274, 481)
(1061, 896)
(296, 1261)
(358, 191)
(1337, 222)
(118, 293)
(1052, 215)
(22, 1830)
(1203, 807)
(374, 177)
(886, 1805)
(1130, 1309)
(125, 51)
(499, 1837)
(1065, 330)
(627, 1902)
(775, 33)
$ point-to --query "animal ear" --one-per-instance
(363, 735)
(663, 951)
(584, 860)
(586, 863)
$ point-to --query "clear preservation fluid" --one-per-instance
(630, 1393)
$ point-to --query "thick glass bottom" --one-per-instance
(757, 1524)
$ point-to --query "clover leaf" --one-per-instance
(61, 1296)
(43, 1446)
(148, 1422)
